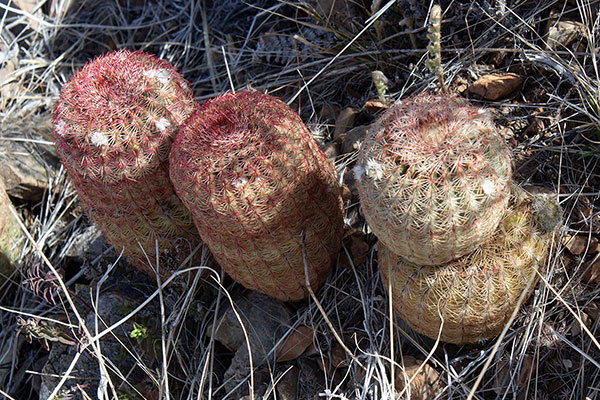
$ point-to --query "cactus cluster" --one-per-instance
(459, 243)
(248, 169)
(435, 184)
(113, 127)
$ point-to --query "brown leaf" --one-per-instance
(329, 112)
(354, 242)
(495, 86)
(375, 106)
(296, 344)
(424, 382)
(578, 244)
(287, 387)
(526, 371)
(563, 33)
(591, 274)
(344, 123)
(352, 140)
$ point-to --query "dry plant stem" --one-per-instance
(318, 304)
(434, 48)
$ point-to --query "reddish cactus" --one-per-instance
(247, 168)
(434, 178)
(113, 127)
(473, 297)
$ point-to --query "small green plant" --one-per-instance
(139, 332)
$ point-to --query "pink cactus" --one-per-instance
(113, 127)
(247, 168)
(434, 178)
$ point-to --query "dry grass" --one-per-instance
(310, 58)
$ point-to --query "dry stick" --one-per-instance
(318, 304)
(104, 377)
(210, 355)
(209, 58)
(165, 379)
(227, 68)
(391, 317)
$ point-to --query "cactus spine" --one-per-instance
(247, 168)
(113, 127)
(434, 178)
(473, 297)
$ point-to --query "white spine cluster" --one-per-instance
(98, 139)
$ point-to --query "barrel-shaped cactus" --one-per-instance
(113, 128)
(434, 178)
(256, 183)
(473, 297)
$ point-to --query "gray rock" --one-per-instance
(27, 157)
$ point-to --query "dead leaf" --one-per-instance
(584, 217)
(329, 112)
(578, 244)
(576, 328)
(352, 140)
(526, 371)
(338, 356)
(296, 344)
(287, 387)
(354, 242)
(344, 123)
(496, 86)
(591, 275)
(593, 310)
(375, 106)
(562, 33)
(424, 382)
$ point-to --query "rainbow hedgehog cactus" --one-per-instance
(434, 178)
(113, 127)
(256, 183)
(473, 297)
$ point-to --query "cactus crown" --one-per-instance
(436, 178)
(257, 147)
(116, 115)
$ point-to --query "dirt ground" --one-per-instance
(533, 65)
